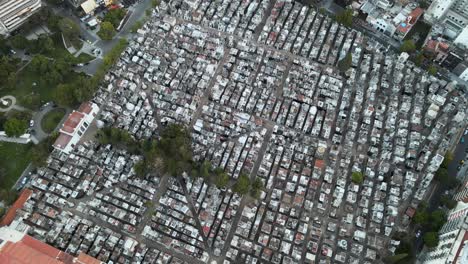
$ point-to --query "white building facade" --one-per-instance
(453, 15)
(75, 126)
(453, 239)
(14, 13)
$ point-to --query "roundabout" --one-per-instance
(6, 103)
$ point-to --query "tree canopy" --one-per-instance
(408, 46)
(345, 17)
(114, 16)
(257, 187)
(222, 179)
(432, 70)
(357, 177)
(69, 28)
(7, 71)
(242, 184)
(106, 31)
(431, 239)
(15, 127)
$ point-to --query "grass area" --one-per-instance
(52, 119)
(17, 158)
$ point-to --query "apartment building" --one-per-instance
(14, 13)
(453, 239)
(453, 14)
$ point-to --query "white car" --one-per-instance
(31, 123)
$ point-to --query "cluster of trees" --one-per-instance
(106, 31)
(70, 30)
(404, 253)
(51, 71)
(418, 58)
(172, 154)
(345, 17)
(114, 16)
(442, 175)
(357, 177)
(83, 88)
(16, 124)
(408, 46)
(8, 67)
(431, 222)
(243, 186)
(41, 151)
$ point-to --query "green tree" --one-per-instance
(421, 217)
(41, 151)
(357, 177)
(19, 42)
(9, 196)
(418, 60)
(7, 71)
(43, 44)
(64, 95)
(447, 159)
(155, 3)
(345, 63)
(69, 28)
(205, 169)
(4, 48)
(257, 187)
(432, 70)
(431, 239)
(106, 31)
(141, 168)
(15, 127)
(40, 64)
(345, 17)
(408, 46)
(221, 179)
(438, 219)
(423, 4)
(448, 202)
(242, 184)
(114, 16)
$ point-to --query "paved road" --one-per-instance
(138, 12)
(39, 133)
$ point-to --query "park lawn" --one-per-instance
(15, 158)
(52, 119)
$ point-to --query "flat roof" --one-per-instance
(62, 141)
(72, 121)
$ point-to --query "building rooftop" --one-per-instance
(18, 204)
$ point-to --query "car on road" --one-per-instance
(12, 51)
(80, 64)
(31, 123)
(462, 161)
